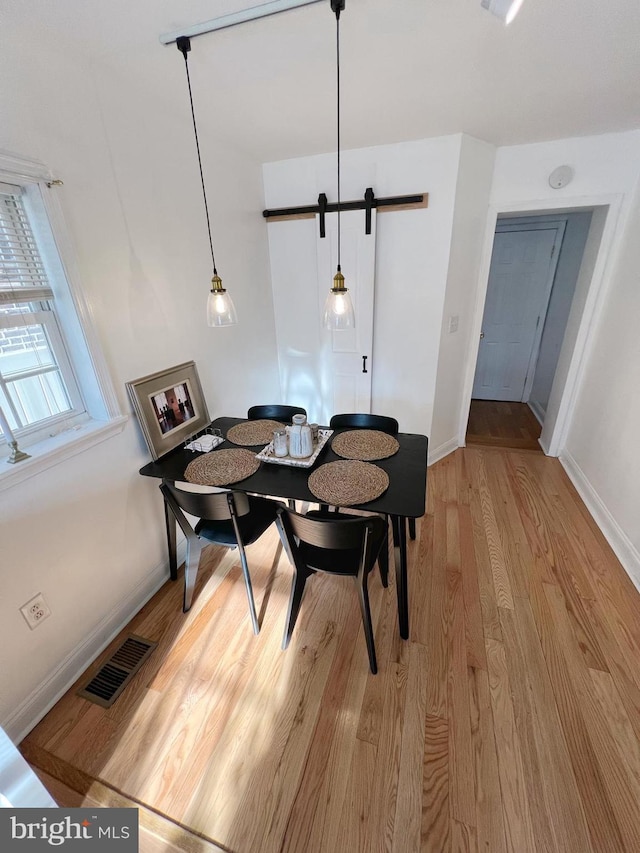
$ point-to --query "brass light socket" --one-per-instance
(216, 284)
(338, 283)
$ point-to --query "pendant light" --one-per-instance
(220, 308)
(338, 309)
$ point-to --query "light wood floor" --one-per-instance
(156, 834)
(509, 722)
(497, 423)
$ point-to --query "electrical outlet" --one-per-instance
(35, 611)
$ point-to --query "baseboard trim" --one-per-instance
(29, 713)
(538, 412)
(622, 546)
(442, 451)
(544, 445)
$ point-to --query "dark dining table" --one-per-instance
(405, 498)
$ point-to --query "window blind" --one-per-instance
(22, 274)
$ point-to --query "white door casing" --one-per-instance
(608, 223)
(523, 264)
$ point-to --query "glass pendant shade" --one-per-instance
(338, 309)
(220, 308)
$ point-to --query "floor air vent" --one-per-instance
(109, 682)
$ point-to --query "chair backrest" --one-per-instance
(212, 506)
(354, 534)
(365, 421)
(327, 533)
(275, 412)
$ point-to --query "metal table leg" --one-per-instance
(412, 528)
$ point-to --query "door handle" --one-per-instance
(364, 364)
(481, 335)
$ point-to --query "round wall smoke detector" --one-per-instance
(560, 177)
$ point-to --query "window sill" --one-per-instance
(51, 451)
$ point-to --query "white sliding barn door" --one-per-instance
(347, 355)
(319, 369)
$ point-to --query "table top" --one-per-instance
(407, 471)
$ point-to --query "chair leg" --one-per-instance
(363, 597)
(249, 588)
(191, 563)
(170, 523)
(412, 528)
(297, 591)
(383, 562)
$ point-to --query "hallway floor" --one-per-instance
(494, 423)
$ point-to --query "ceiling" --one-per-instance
(410, 69)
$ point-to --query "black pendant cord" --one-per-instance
(184, 47)
(338, 121)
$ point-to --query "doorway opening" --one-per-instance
(536, 266)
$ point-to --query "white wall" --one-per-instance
(602, 452)
(602, 165)
(412, 256)
(471, 203)
(88, 533)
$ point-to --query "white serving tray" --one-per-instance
(268, 453)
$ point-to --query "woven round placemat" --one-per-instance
(364, 444)
(221, 467)
(250, 433)
(348, 482)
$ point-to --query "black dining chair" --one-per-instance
(335, 544)
(232, 519)
(357, 420)
(363, 420)
(275, 412)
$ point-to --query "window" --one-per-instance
(37, 384)
(55, 390)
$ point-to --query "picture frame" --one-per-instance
(170, 406)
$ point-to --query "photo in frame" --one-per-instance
(170, 406)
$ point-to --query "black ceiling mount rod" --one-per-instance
(367, 203)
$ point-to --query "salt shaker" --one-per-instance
(280, 442)
(300, 439)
